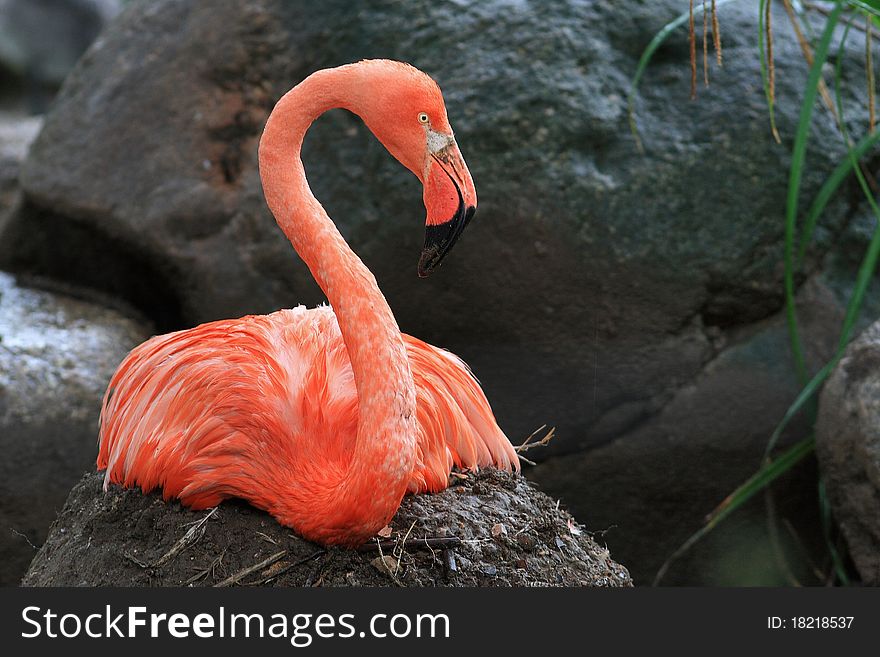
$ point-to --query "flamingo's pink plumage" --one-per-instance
(325, 419)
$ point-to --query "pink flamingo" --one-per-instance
(323, 417)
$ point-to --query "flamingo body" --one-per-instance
(323, 417)
(242, 408)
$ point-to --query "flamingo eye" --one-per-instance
(423, 117)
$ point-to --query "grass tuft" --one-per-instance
(773, 468)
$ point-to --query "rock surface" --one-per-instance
(599, 289)
(56, 355)
(40, 41)
(682, 461)
(17, 132)
(848, 447)
(506, 533)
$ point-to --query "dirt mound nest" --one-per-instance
(486, 529)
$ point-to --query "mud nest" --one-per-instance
(487, 529)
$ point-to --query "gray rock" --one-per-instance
(17, 132)
(848, 447)
(40, 40)
(670, 469)
(56, 356)
(597, 284)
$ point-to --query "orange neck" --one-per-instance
(386, 440)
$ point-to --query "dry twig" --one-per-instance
(869, 67)
(412, 544)
(293, 564)
(24, 536)
(705, 45)
(692, 41)
(808, 57)
(241, 574)
(825, 12)
(192, 536)
(716, 34)
(527, 444)
(195, 532)
(771, 69)
(206, 571)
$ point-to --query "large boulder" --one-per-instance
(488, 529)
(17, 132)
(848, 447)
(40, 41)
(674, 467)
(600, 289)
(56, 356)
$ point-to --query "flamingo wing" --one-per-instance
(233, 408)
(456, 423)
(237, 408)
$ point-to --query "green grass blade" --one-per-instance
(771, 471)
(827, 191)
(805, 395)
(869, 262)
(825, 517)
(870, 7)
(863, 278)
(645, 59)
(774, 468)
(794, 183)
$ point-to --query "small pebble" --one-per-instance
(449, 560)
(525, 541)
(386, 564)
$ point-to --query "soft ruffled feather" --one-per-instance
(238, 408)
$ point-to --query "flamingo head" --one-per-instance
(404, 108)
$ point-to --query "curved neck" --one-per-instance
(386, 394)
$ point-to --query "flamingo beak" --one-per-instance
(451, 201)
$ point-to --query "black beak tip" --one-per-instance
(440, 238)
(430, 259)
(468, 215)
